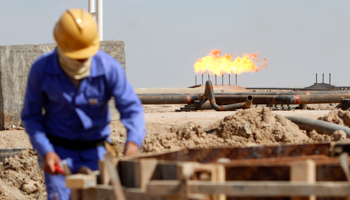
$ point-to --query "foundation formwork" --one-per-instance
(263, 172)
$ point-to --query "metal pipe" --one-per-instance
(318, 125)
(284, 99)
(222, 79)
(210, 94)
(258, 93)
(329, 78)
(98, 14)
(316, 77)
(202, 79)
(216, 79)
(236, 79)
(99, 18)
(195, 82)
(229, 79)
(168, 99)
(208, 77)
(92, 9)
(231, 99)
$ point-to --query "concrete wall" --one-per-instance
(15, 63)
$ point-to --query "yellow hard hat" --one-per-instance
(76, 34)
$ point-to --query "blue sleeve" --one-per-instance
(31, 115)
(128, 104)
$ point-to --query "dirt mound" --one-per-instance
(341, 117)
(21, 177)
(246, 127)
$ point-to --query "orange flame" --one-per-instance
(216, 64)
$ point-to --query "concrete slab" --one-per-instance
(15, 63)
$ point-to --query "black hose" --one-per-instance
(318, 125)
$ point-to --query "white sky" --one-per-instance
(163, 38)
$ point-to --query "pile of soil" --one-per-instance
(338, 116)
(256, 126)
(21, 177)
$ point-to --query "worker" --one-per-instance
(65, 110)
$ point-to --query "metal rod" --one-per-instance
(208, 77)
(236, 79)
(216, 79)
(222, 79)
(195, 82)
(329, 78)
(321, 127)
(202, 79)
(229, 79)
(316, 77)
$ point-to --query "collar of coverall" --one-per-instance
(74, 68)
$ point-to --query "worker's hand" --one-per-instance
(50, 159)
(131, 149)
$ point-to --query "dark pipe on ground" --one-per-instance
(318, 125)
(210, 93)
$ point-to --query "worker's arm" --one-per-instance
(129, 106)
(31, 115)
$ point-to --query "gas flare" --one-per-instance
(214, 63)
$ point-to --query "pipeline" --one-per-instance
(210, 94)
(318, 125)
(272, 98)
(168, 99)
(253, 93)
(284, 99)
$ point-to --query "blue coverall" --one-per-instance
(77, 114)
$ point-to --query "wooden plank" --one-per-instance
(80, 181)
(219, 177)
(144, 170)
(303, 171)
(112, 171)
(253, 189)
(104, 178)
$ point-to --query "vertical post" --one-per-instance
(98, 14)
(329, 78)
(195, 80)
(229, 79)
(316, 77)
(92, 6)
(216, 77)
(322, 77)
(202, 79)
(303, 171)
(236, 79)
(99, 18)
(208, 77)
(222, 79)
